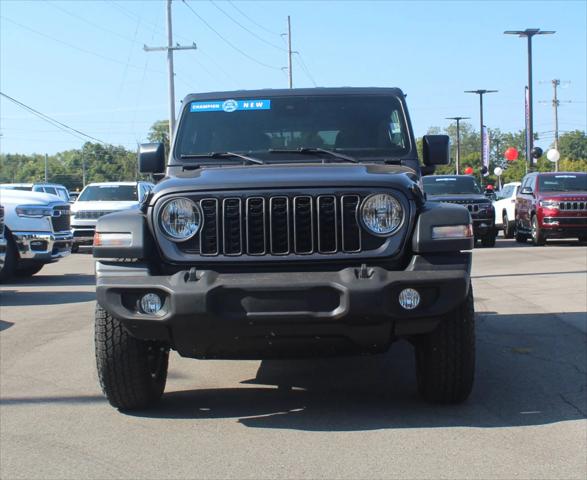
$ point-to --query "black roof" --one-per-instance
(287, 92)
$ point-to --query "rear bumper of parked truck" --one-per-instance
(259, 315)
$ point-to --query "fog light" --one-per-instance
(409, 298)
(150, 303)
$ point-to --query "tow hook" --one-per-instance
(364, 272)
(192, 275)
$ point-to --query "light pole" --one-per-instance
(458, 120)
(481, 93)
(529, 33)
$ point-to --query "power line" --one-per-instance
(228, 42)
(83, 50)
(85, 20)
(305, 68)
(271, 44)
(56, 123)
(251, 20)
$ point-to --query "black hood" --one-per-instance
(291, 176)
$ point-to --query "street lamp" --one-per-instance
(529, 33)
(458, 119)
(481, 93)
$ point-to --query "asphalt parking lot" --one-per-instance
(337, 418)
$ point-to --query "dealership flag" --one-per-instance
(486, 150)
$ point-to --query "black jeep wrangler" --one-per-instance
(286, 223)
(464, 190)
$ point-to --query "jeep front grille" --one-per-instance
(279, 225)
(576, 205)
(91, 214)
(60, 220)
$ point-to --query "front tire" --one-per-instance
(508, 227)
(29, 270)
(488, 241)
(538, 238)
(132, 372)
(445, 358)
(10, 261)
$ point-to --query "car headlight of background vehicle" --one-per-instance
(180, 219)
(549, 203)
(381, 214)
(35, 211)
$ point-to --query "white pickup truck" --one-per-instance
(36, 229)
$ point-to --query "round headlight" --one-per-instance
(180, 219)
(381, 214)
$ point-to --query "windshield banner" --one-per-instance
(230, 105)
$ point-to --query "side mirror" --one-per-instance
(526, 191)
(435, 149)
(152, 158)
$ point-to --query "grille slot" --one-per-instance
(351, 232)
(255, 219)
(303, 222)
(210, 234)
(232, 226)
(279, 225)
(327, 224)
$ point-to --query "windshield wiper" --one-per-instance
(314, 151)
(224, 155)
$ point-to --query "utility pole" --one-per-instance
(458, 159)
(529, 33)
(169, 49)
(46, 167)
(481, 93)
(289, 52)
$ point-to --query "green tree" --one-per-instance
(573, 145)
(159, 132)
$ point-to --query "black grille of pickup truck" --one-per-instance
(60, 218)
(279, 225)
(91, 214)
(1, 220)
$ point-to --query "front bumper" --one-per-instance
(2, 251)
(483, 227)
(44, 247)
(83, 235)
(559, 226)
(277, 314)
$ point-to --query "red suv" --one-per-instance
(552, 205)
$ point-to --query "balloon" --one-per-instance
(536, 152)
(469, 171)
(511, 154)
(489, 187)
(553, 155)
(498, 171)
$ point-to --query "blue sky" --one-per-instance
(82, 62)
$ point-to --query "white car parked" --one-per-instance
(504, 205)
(36, 230)
(98, 199)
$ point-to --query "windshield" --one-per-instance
(109, 193)
(450, 185)
(362, 125)
(565, 182)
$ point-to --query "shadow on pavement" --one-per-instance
(68, 279)
(530, 371)
(72, 400)
(511, 243)
(11, 298)
(4, 325)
